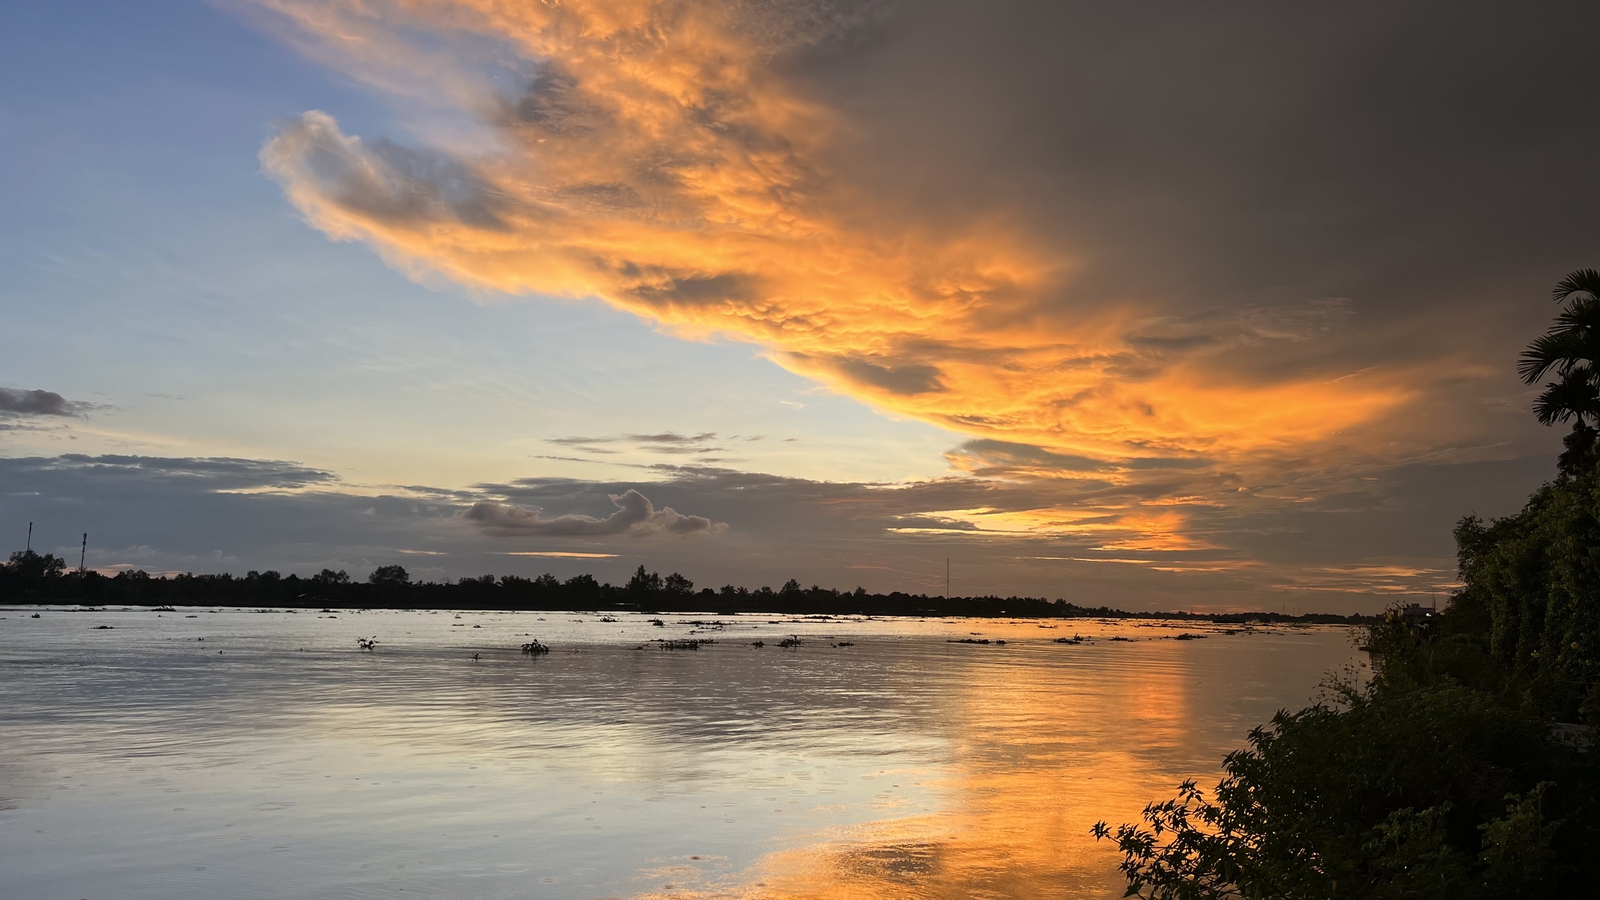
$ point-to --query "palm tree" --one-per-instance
(1570, 351)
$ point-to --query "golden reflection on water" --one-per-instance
(1038, 756)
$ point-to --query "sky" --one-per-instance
(1154, 304)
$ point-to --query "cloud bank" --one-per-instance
(1349, 551)
(635, 515)
(1163, 258)
(661, 155)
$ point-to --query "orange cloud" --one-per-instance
(657, 158)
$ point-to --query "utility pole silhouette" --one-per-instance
(83, 552)
(30, 538)
(947, 578)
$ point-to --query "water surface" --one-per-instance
(246, 754)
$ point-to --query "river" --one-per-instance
(181, 755)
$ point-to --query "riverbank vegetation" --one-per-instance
(1466, 767)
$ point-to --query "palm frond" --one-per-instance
(1559, 350)
(1547, 352)
(1574, 396)
(1582, 312)
(1583, 281)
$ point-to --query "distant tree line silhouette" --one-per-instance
(32, 577)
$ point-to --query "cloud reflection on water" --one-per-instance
(1037, 754)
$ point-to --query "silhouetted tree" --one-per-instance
(31, 566)
(677, 584)
(1570, 351)
(328, 577)
(644, 583)
(389, 576)
(584, 589)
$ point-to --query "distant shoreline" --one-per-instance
(1070, 613)
(33, 579)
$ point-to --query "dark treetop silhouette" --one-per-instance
(1570, 351)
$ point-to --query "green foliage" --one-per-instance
(1532, 580)
(1423, 792)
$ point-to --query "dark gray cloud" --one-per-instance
(660, 442)
(552, 103)
(635, 515)
(206, 514)
(386, 181)
(1406, 156)
(692, 290)
(1007, 459)
(669, 437)
(902, 379)
(991, 458)
(1351, 550)
(16, 402)
(205, 473)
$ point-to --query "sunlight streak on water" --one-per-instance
(249, 754)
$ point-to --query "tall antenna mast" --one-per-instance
(947, 578)
(30, 537)
(84, 552)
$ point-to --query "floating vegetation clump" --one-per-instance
(790, 641)
(712, 625)
(758, 644)
(608, 618)
(534, 648)
(1075, 639)
(683, 643)
(967, 641)
(366, 643)
(1186, 636)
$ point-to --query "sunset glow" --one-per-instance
(798, 449)
(850, 286)
(657, 161)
